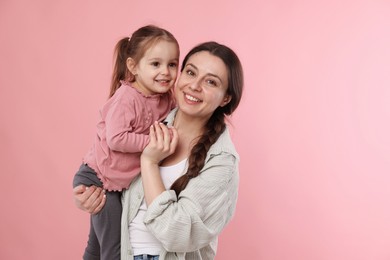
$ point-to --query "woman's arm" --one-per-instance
(197, 216)
(202, 210)
(90, 199)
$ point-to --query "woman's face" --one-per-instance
(202, 85)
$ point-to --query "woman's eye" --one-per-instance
(190, 72)
(212, 82)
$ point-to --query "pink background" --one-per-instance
(312, 130)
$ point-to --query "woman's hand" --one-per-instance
(162, 143)
(90, 199)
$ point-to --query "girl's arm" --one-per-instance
(120, 119)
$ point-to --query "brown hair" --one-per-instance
(135, 47)
(216, 124)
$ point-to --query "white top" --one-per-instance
(142, 241)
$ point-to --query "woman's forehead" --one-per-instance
(208, 63)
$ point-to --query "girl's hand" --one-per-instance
(90, 199)
(162, 143)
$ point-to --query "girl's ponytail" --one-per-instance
(120, 71)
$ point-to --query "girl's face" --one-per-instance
(156, 72)
(202, 85)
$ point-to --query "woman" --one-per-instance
(187, 190)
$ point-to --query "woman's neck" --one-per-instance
(189, 131)
(188, 125)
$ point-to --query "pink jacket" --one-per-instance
(123, 133)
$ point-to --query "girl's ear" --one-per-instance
(225, 100)
(131, 65)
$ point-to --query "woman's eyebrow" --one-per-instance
(192, 65)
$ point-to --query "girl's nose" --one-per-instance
(164, 70)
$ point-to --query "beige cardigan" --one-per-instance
(188, 226)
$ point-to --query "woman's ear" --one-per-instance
(131, 66)
(225, 100)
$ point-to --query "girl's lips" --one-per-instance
(163, 82)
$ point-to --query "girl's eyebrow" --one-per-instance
(154, 59)
(208, 74)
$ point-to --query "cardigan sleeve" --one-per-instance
(201, 211)
(120, 118)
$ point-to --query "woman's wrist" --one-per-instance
(149, 166)
(148, 162)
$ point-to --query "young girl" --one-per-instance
(145, 70)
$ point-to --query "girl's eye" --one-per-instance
(172, 65)
(155, 64)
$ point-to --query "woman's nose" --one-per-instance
(195, 85)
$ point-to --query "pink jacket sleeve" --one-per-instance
(120, 119)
